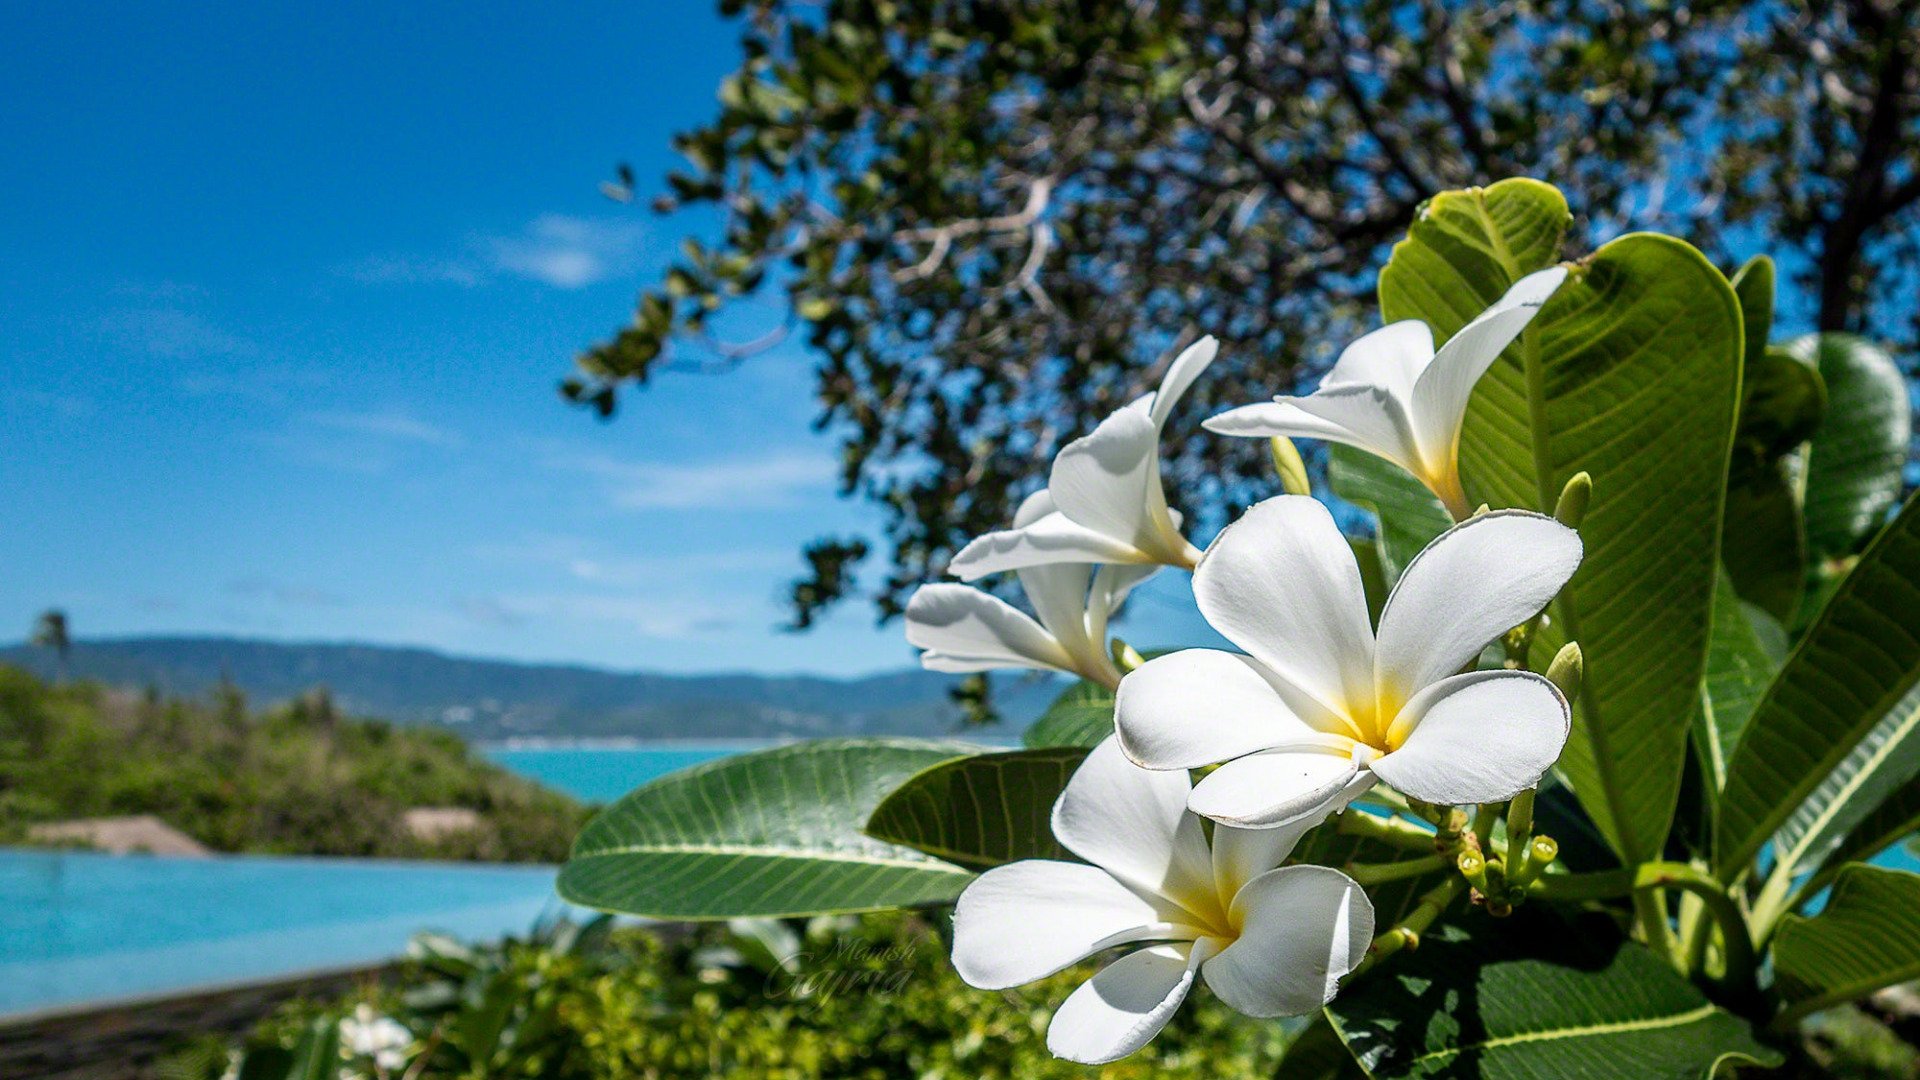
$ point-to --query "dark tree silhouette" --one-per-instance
(992, 221)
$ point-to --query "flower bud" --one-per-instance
(1572, 507)
(1291, 467)
(1568, 666)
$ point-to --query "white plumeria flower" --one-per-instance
(368, 1034)
(1269, 942)
(1106, 486)
(964, 629)
(1320, 705)
(1391, 395)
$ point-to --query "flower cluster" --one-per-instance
(1317, 707)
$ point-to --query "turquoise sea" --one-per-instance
(600, 774)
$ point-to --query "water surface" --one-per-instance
(82, 927)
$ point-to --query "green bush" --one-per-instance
(854, 998)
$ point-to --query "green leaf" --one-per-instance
(1632, 374)
(1536, 995)
(1316, 1053)
(1896, 817)
(1408, 515)
(1857, 661)
(1753, 283)
(1764, 544)
(317, 1055)
(1867, 937)
(1466, 247)
(774, 832)
(1738, 671)
(980, 811)
(1081, 716)
(1854, 462)
(1878, 766)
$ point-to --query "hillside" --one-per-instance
(295, 779)
(491, 699)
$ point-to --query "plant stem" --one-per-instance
(1650, 914)
(1378, 873)
(1401, 834)
(1519, 834)
(1736, 939)
(1406, 933)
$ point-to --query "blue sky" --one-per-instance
(288, 293)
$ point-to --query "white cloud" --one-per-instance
(174, 334)
(406, 270)
(585, 561)
(771, 480)
(556, 250)
(389, 424)
(645, 616)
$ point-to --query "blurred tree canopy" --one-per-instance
(993, 221)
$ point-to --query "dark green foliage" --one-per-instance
(1538, 996)
(867, 999)
(991, 221)
(296, 780)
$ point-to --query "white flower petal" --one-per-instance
(1125, 1005)
(1179, 377)
(964, 629)
(1391, 358)
(1051, 539)
(1240, 855)
(1058, 593)
(1273, 788)
(1473, 583)
(1101, 481)
(1133, 823)
(1366, 417)
(1026, 920)
(1033, 508)
(1476, 738)
(1282, 584)
(1440, 396)
(1301, 929)
(1200, 706)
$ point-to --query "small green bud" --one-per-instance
(1472, 864)
(1482, 510)
(1568, 666)
(1543, 851)
(1572, 507)
(1291, 467)
(1125, 656)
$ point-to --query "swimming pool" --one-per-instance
(83, 927)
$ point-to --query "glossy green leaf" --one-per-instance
(1763, 546)
(1632, 374)
(774, 832)
(1890, 815)
(1753, 283)
(1081, 716)
(1536, 995)
(1466, 247)
(1316, 1053)
(1738, 671)
(980, 811)
(1407, 515)
(1878, 765)
(1857, 661)
(1866, 938)
(1854, 460)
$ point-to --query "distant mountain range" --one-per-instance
(488, 700)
